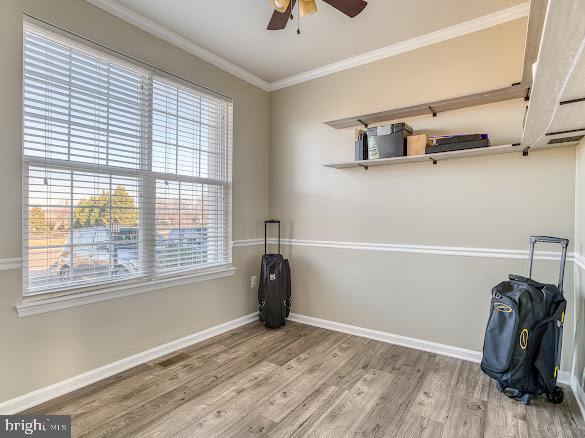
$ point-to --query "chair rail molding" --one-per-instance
(519, 254)
(8, 264)
(16, 262)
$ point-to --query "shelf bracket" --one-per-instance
(433, 112)
(363, 123)
(433, 160)
(567, 102)
(364, 166)
(565, 132)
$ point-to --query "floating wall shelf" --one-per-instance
(435, 158)
(555, 115)
(435, 107)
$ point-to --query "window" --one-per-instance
(188, 138)
(126, 172)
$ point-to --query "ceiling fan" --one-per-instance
(283, 10)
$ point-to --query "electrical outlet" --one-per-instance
(252, 281)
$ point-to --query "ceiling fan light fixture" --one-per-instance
(279, 5)
(307, 7)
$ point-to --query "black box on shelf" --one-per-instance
(361, 145)
(388, 141)
(449, 147)
(459, 138)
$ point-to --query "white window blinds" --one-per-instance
(126, 175)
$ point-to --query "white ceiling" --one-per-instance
(235, 30)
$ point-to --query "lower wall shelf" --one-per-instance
(491, 150)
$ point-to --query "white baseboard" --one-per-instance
(579, 394)
(417, 344)
(42, 395)
(564, 378)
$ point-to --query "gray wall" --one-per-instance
(488, 202)
(579, 308)
(44, 349)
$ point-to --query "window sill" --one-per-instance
(32, 306)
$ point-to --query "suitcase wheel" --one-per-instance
(556, 396)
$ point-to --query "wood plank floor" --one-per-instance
(302, 381)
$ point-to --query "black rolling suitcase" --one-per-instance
(523, 338)
(274, 289)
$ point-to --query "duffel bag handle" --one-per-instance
(529, 281)
(546, 239)
(270, 221)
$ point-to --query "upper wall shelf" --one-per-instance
(536, 20)
(435, 107)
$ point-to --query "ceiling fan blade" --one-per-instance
(279, 20)
(351, 8)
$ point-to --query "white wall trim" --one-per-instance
(564, 378)
(579, 393)
(16, 262)
(31, 306)
(426, 249)
(50, 392)
(8, 264)
(579, 260)
(389, 338)
(417, 344)
(162, 32)
(457, 30)
(42, 395)
(247, 242)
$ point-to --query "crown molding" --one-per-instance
(115, 8)
(470, 26)
(457, 30)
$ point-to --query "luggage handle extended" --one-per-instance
(546, 239)
(270, 221)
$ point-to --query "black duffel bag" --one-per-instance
(274, 289)
(523, 338)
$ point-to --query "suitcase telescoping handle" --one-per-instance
(564, 245)
(270, 221)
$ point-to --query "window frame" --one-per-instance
(112, 288)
